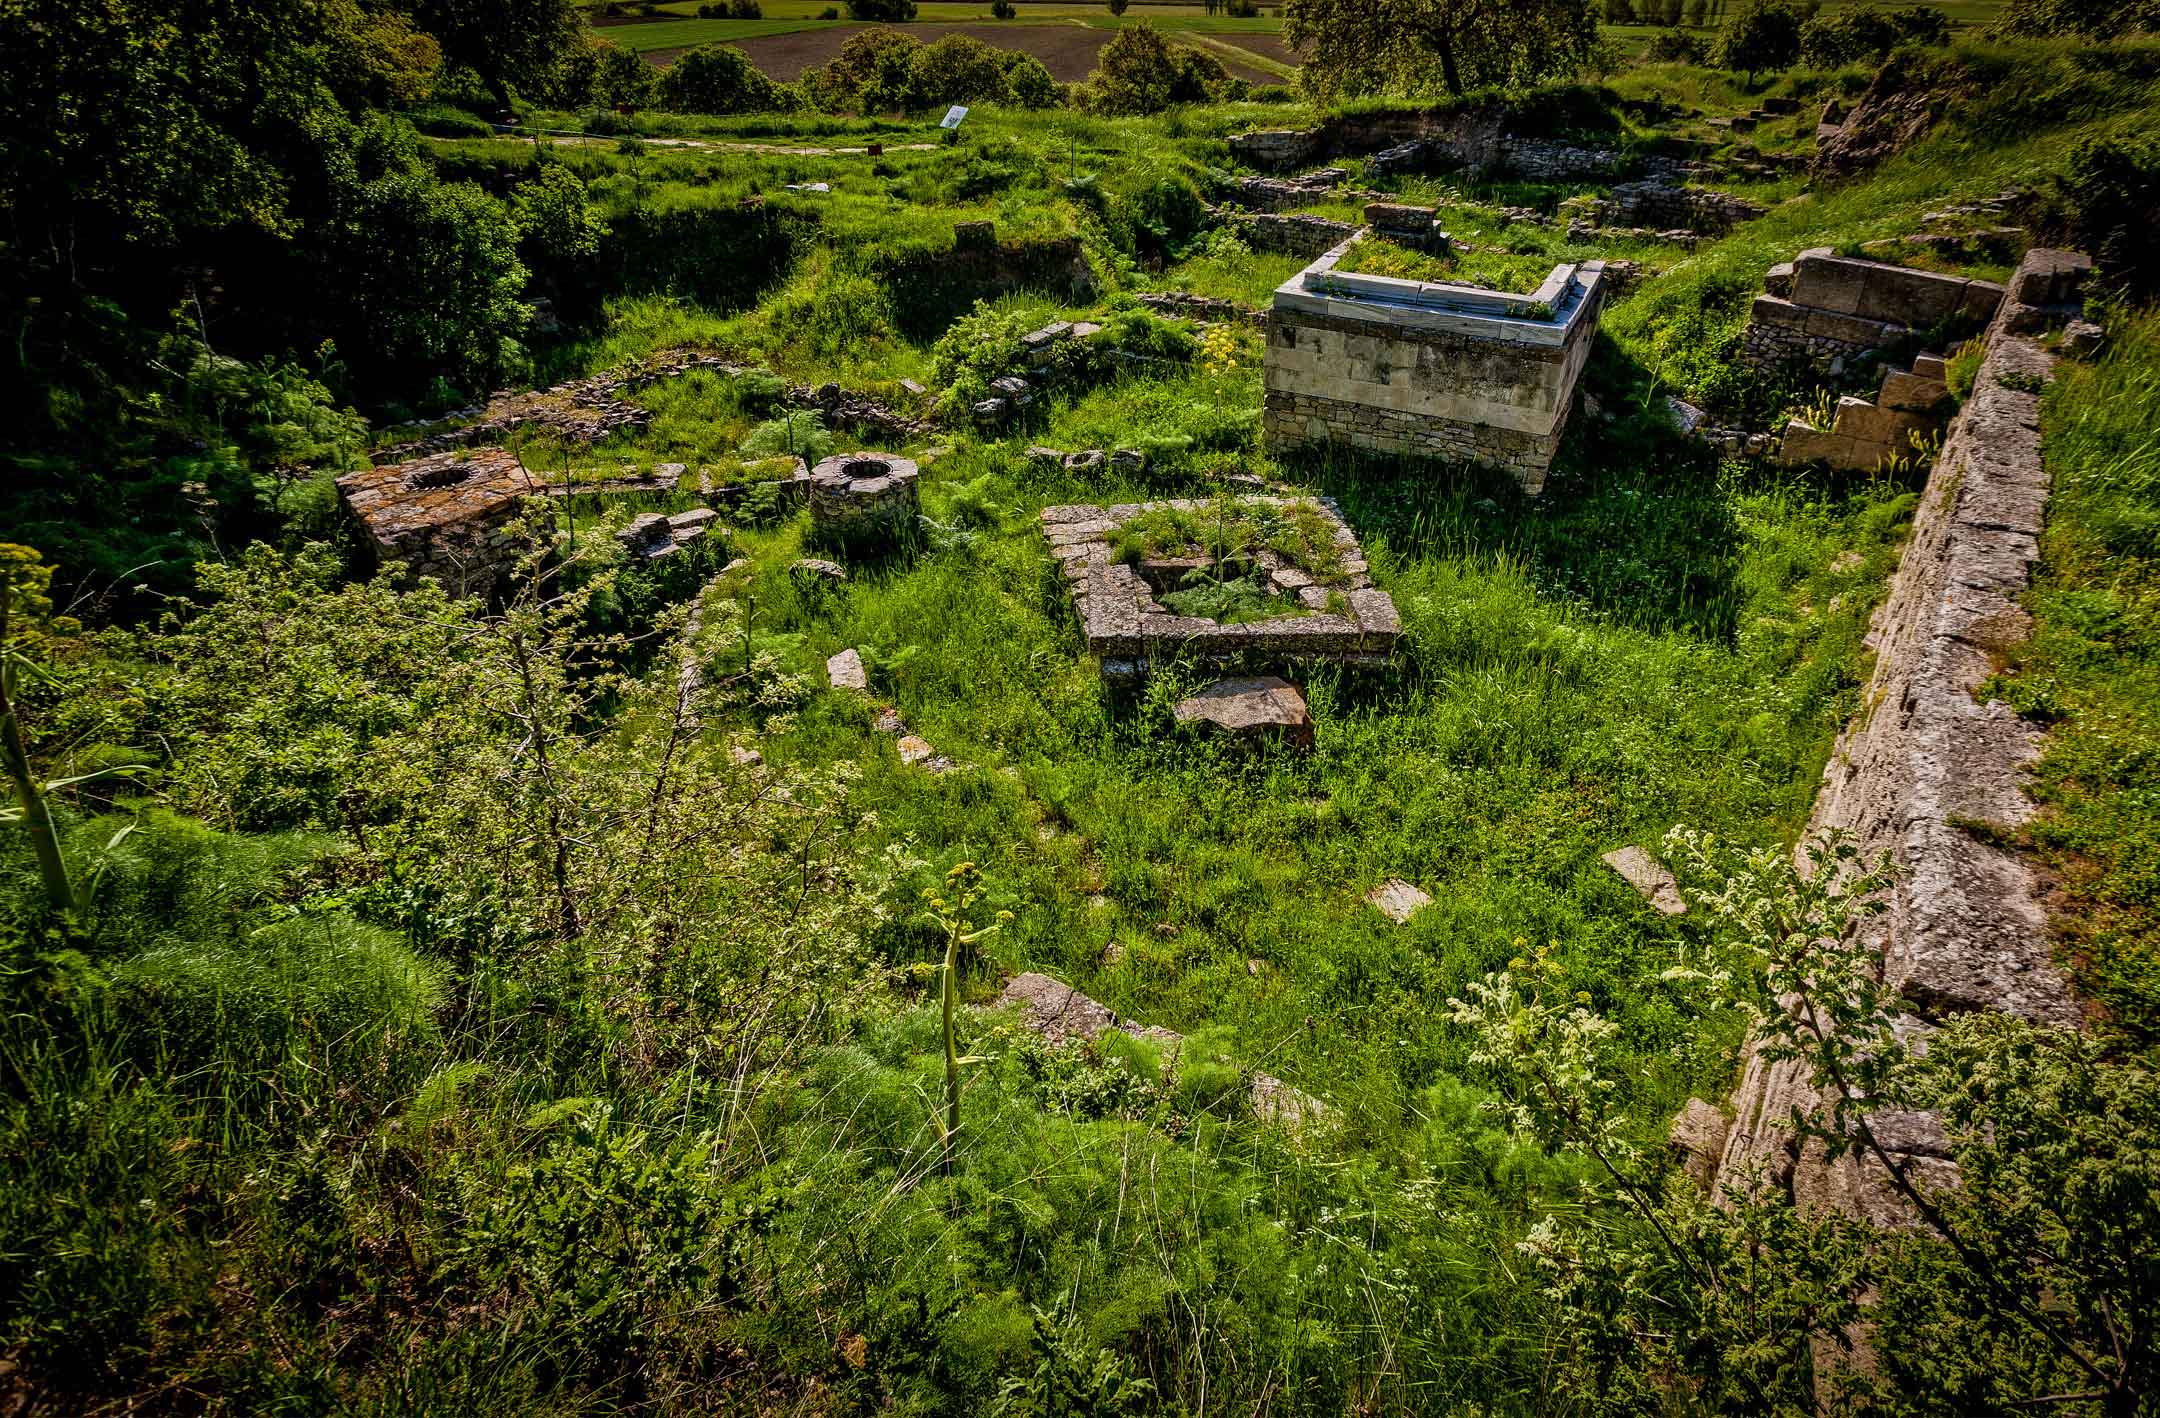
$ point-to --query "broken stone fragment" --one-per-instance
(812, 568)
(1398, 900)
(915, 750)
(845, 671)
(2081, 339)
(1648, 876)
(1250, 709)
(1043, 459)
(744, 757)
(1086, 461)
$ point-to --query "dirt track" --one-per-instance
(1067, 51)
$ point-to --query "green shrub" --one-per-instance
(883, 12)
(622, 78)
(2111, 191)
(717, 78)
(1674, 47)
(798, 431)
(1761, 35)
(1139, 71)
(1028, 83)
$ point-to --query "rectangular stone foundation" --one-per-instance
(1428, 369)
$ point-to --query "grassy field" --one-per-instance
(448, 1103)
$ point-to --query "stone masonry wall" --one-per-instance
(1964, 928)
(1373, 383)
(1826, 310)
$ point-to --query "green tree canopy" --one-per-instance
(505, 42)
(1401, 46)
(1762, 35)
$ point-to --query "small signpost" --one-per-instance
(953, 116)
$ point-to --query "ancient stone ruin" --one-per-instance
(1929, 758)
(443, 515)
(1905, 415)
(1825, 310)
(1339, 616)
(864, 499)
(1440, 370)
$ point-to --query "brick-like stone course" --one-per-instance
(443, 515)
(1965, 925)
(1825, 310)
(1486, 380)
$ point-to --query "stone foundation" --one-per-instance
(1442, 371)
(1825, 310)
(442, 516)
(1965, 925)
(1127, 629)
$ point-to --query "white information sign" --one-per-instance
(953, 116)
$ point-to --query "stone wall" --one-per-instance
(1964, 927)
(1653, 203)
(1295, 233)
(1447, 372)
(1825, 310)
(443, 515)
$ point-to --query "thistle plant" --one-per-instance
(950, 906)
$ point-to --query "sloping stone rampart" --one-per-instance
(1964, 927)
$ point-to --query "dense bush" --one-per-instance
(885, 71)
(622, 78)
(2087, 19)
(2110, 195)
(718, 78)
(1761, 35)
(1674, 47)
(1859, 36)
(1139, 71)
(881, 12)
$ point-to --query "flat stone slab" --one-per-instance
(1251, 709)
(1648, 875)
(1398, 900)
(845, 671)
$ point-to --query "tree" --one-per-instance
(1394, 46)
(1139, 71)
(505, 42)
(883, 12)
(959, 69)
(1118, 7)
(1760, 35)
(622, 78)
(1030, 83)
(717, 78)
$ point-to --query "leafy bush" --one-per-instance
(717, 78)
(1028, 83)
(882, 12)
(1674, 47)
(1761, 35)
(622, 78)
(1002, 10)
(799, 431)
(442, 121)
(1139, 72)
(1857, 36)
(559, 238)
(2111, 192)
(956, 69)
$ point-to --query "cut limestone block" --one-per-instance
(1398, 900)
(845, 671)
(1251, 709)
(1648, 875)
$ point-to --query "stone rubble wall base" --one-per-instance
(1387, 388)
(1965, 928)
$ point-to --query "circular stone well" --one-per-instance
(863, 497)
